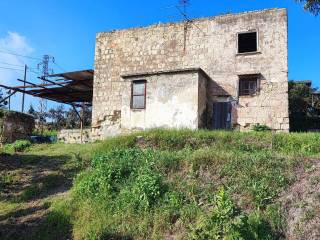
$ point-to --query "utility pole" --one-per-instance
(24, 84)
(9, 100)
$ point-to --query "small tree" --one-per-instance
(72, 120)
(86, 113)
(304, 114)
(58, 117)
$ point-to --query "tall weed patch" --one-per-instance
(188, 185)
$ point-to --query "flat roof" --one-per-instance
(70, 88)
(170, 71)
(196, 19)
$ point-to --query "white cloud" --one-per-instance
(15, 43)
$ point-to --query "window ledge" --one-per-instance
(137, 109)
(249, 96)
(248, 53)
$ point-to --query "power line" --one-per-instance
(19, 55)
(55, 63)
(37, 73)
(30, 57)
(11, 64)
(16, 69)
(21, 70)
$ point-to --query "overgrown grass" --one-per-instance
(188, 185)
(178, 184)
(57, 223)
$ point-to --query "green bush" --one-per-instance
(107, 172)
(21, 145)
(17, 146)
(147, 188)
(261, 128)
(225, 221)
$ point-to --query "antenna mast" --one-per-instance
(184, 4)
(44, 67)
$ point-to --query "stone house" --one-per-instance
(223, 72)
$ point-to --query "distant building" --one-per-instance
(221, 72)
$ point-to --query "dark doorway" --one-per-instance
(222, 115)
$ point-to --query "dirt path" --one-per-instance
(28, 182)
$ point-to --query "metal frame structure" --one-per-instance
(71, 88)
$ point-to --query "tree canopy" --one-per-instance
(312, 6)
(304, 108)
(59, 117)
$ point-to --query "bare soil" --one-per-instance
(301, 204)
(25, 171)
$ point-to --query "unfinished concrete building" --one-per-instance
(224, 72)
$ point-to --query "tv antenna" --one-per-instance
(184, 4)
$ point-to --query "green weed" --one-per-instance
(189, 184)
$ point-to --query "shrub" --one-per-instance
(21, 145)
(261, 128)
(110, 170)
(147, 188)
(225, 221)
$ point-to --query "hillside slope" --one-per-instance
(189, 185)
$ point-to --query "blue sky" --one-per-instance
(67, 29)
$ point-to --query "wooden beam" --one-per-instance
(37, 86)
(35, 95)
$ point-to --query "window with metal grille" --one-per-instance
(248, 86)
(138, 94)
(247, 42)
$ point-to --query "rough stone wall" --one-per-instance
(15, 126)
(74, 135)
(210, 44)
(172, 101)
